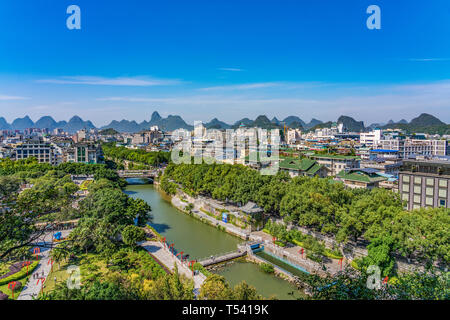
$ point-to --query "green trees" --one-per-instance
(104, 215)
(351, 285)
(132, 234)
(243, 291)
(173, 287)
(314, 203)
(324, 206)
(380, 254)
(51, 193)
(8, 186)
(216, 287)
(140, 156)
(30, 168)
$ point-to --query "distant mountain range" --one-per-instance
(425, 123)
(74, 124)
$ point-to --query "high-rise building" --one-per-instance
(370, 139)
(86, 153)
(44, 152)
(413, 147)
(425, 184)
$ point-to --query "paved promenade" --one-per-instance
(31, 289)
(163, 254)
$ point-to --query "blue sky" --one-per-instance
(227, 59)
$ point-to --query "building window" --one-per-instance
(417, 189)
(430, 182)
(417, 199)
(429, 201)
(443, 183)
(442, 193)
(416, 206)
(429, 191)
(442, 202)
(405, 196)
(405, 178)
(417, 180)
(405, 187)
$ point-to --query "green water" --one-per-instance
(293, 270)
(200, 240)
(266, 284)
(190, 235)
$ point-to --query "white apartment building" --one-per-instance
(415, 147)
(199, 129)
(370, 139)
(44, 152)
(293, 136)
(326, 133)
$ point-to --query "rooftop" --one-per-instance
(384, 150)
(335, 156)
(360, 175)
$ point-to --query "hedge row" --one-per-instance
(202, 269)
(19, 275)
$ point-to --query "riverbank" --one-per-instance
(290, 253)
(163, 255)
(197, 213)
(197, 239)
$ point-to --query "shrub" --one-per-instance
(202, 269)
(267, 267)
(279, 243)
(19, 275)
(355, 264)
(314, 257)
(333, 254)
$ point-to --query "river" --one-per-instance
(200, 240)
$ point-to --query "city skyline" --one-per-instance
(302, 59)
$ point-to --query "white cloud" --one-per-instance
(246, 86)
(119, 81)
(428, 59)
(231, 69)
(7, 98)
(266, 85)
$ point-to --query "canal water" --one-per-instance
(200, 240)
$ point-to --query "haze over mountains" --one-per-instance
(421, 124)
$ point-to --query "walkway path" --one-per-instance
(31, 289)
(163, 254)
(196, 210)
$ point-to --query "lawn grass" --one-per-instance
(91, 268)
(61, 274)
(4, 288)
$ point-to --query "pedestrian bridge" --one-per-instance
(208, 261)
(138, 173)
